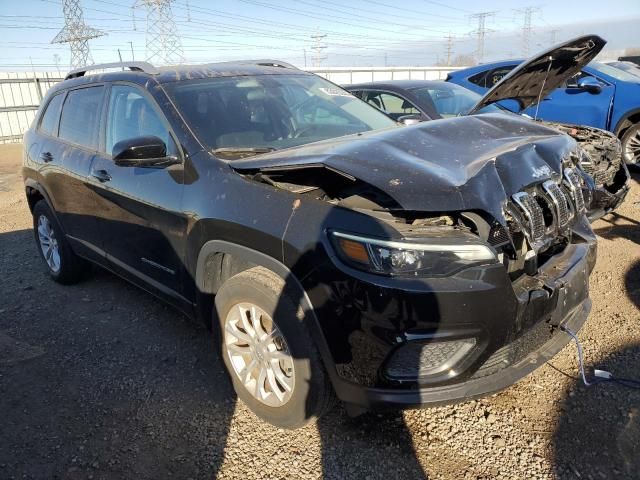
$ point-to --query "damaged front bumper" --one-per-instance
(414, 342)
(604, 201)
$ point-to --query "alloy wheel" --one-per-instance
(632, 148)
(48, 243)
(259, 354)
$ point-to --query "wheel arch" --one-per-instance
(219, 260)
(35, 192)
(629, 118)
(211, 271)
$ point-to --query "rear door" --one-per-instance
(69, 155)
(139, 207)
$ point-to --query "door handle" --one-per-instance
(101, 175)
(46, 157)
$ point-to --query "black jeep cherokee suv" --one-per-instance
(331, 249)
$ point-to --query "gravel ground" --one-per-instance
(100, 380)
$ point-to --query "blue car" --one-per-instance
(599, 95)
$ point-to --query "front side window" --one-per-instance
(81, 116)
(394, 105)
(49, 122)
(270, 112)
(614, 72)
(131, 115)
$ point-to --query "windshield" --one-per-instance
(452, 100)
(250, 115)
(614, 72)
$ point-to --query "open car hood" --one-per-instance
(457, 164)
(534, 79)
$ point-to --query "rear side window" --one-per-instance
(489, 78)
(81, 116)
(49, 122)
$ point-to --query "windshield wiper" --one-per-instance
(234, 153)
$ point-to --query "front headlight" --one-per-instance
(429, 257)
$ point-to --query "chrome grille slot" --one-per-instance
(572, 181)
(533, 213)
(559, 201)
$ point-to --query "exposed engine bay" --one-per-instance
(603, 162)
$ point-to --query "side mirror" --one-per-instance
(409, 119)
(589, 84)
(146, 151)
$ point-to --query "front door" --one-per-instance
(140, 218)
(572, 104)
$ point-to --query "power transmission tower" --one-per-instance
(553, 34)
(527, 29)
(318, 48)
(449, 48)
(481, 32)
(76, 33)
(163, 45)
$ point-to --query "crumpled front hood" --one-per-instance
(464, 163)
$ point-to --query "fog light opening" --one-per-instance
(417, 360)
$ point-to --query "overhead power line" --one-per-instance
(318, 48)
(163, 45)
(481, 32)
(449, 48)
(527, 28)
(76, 33)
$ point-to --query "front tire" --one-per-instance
(271, 358)
(62, 264)
(631, 145)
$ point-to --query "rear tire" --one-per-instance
(631, 145)
(63, 265)
(280, 378)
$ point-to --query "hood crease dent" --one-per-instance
(457, 164)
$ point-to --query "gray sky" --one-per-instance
(358, 32)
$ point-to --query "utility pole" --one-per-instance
(133, 57)
(162, 41)
(449, 48)
(76, 33)
(527, 29)
(481, 32)
(318, 48)
(56, 60)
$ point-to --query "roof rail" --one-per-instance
(133, 66)
(267, 62)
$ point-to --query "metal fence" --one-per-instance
(22, 92)
(20, 97)
(350, 75)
